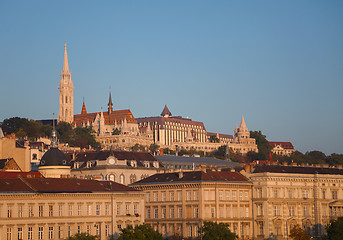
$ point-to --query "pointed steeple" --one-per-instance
(243, 126)
(83, 111)
(166, 112)
(65, 62)
(110, 104)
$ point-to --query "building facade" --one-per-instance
(284, 196)
(117, 166)
(36, 208)
(282, 148)
(178, 203)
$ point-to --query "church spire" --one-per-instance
(65, 62)
(243, 126)
(83, 111)
(110, 104)
(166, 112)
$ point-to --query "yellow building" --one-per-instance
(55, 208)
(178, 203)
(287, 195)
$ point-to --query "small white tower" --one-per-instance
(66, 111)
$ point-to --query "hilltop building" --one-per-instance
(282, 148)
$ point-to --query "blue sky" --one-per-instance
(278, 63)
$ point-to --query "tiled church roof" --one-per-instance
(117, 116)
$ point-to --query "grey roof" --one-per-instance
(296, 169)
(54, 157)
(171, 159)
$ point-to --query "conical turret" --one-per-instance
(243, 126)
(166, 112)
(110, 104)
(83, 111)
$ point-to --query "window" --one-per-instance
(97, 209)
(206, 195)
(51, 232)
(118, 210)
(135, 209)
(148, 214)
(132, 178)
(246, 196)
(107, 209)
(29, 233)
(180, 212)
(171, 196)
(122, 179)
(196, 195)
(30, 210)
(40, 232)
(234, 196)
(60, 234)
(70, 207)
(276, 210)
(51, 210)
(88, 229)
(240, 196)
(156, 213)
(196, 212)
(260, 228)
(155, 196)
(40, 210)
(212, 195)
(189, 195)
(179, 196)
(107, 230)
(164, 212)
(228, 212)
(212, 212)
(59, 210)
(334, 194)
(20, 211)
(221, 212)
(305, 194)
(323, 194)
(246, 212)
(20, 233)
(306, 211)
(148, 197)
(276, 193)
(78, 229)
(163, 195)
(259, 209)
(234, 212)
(79, 209)
(291, 210)
(127, 209)
(89, 209)
(9, 211)
(227, 195)
(97, 228)
(290, 193)
(221, 195)
(9, 233)
(259, 192)
(119, 226)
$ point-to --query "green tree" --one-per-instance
(214, 139)
(262, 145)
(335, 229)
(216, 231)
(297, 233)
(140, 232)
(153, 147)
(335, 159)
(138, 148)
(83, 236)
(84, 137)
(65, 132)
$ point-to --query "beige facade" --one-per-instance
(178, 203)
(117, 166)
(287, 195)
(44, 215)
(282, 148)
(10, 149)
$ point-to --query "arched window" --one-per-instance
(122, 179)
(111, 177)
(133, 178)
(66, 113)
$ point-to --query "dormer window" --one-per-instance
(155, 164)
(133, 164)
(76, 164)
(146, 164)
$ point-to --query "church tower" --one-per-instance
(66, 111)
